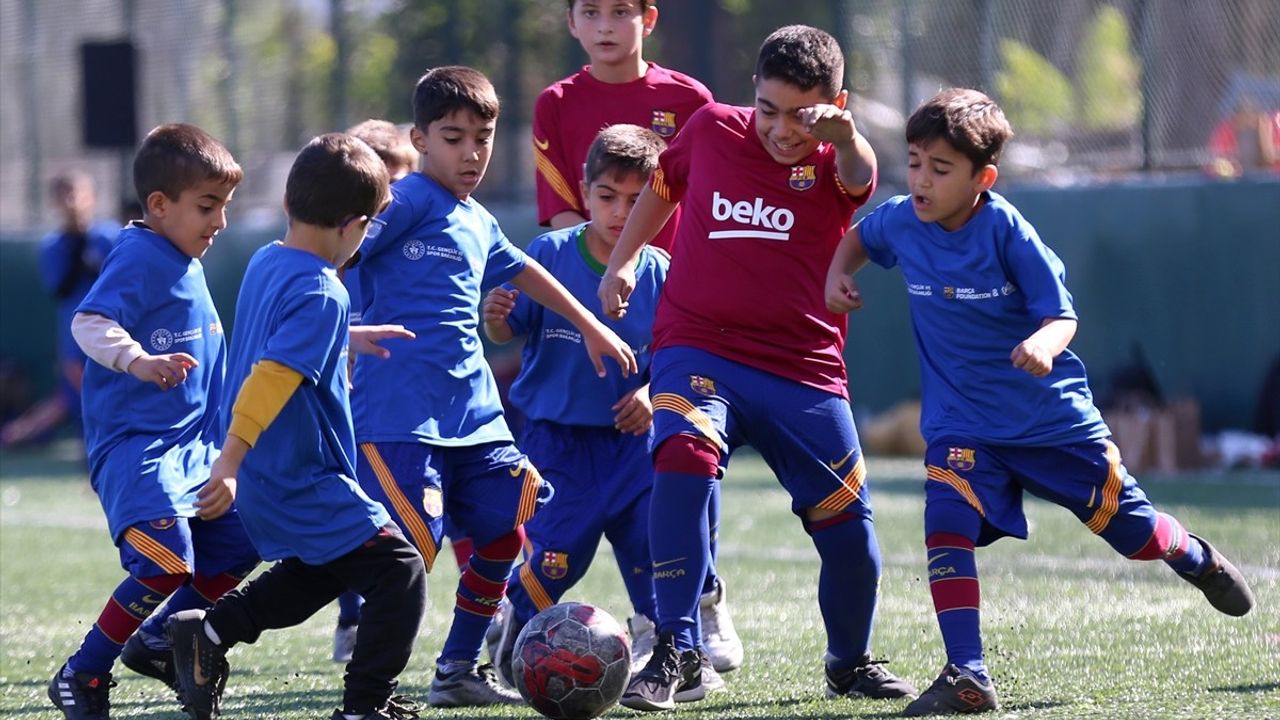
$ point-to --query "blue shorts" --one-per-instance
(603, 481)
(179, 545)
(805, 435)
(1086, 478)
(487, 490)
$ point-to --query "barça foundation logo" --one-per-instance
(803, 177)
(555, 564)
(961, 458)
(663, 123)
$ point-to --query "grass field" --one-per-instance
(1072, 630)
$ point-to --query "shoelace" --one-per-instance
(489, 674)
(664, 665)
(402, 707)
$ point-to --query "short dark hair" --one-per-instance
(447, 89)
(644, 4)
(177, 157)
(968, 120)
(803, 56)
(334, 178)
(64, 183)
(391, 144)
(623, 149)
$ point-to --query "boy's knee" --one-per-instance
(166, 584)
(687, 454)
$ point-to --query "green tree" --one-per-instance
(1035, 95)
(1108, 73)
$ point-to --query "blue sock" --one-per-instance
(713, 522)
(680, 549)
(349, 604)
(847, 584)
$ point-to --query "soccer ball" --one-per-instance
(572, 661)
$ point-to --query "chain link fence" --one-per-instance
(1095, 89)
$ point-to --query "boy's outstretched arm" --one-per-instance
(1036, 353)
(842, 293)
(600, 341)
(111, 346)
(494, 311)
(261, 398)
(648, 216)
(855, 159)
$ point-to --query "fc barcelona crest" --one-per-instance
(803, 177)
(432, 502)
(702, 385)
(555, 564)
(663, 123)
(961, 458)
(163, 524)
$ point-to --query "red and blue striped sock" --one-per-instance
(480, 589)
(953, 582)
(132, 602)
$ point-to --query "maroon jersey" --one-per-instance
(752, 250)
(569, 114)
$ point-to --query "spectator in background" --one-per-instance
(1245, 141)
(70, 260)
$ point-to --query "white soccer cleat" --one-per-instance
(644, 635)
(718, 634)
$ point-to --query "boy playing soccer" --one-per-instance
(767, 192)
(150, 448)
(620, 86)
(591, 444)
(1009, 408)
(291, 440)
(429, 423)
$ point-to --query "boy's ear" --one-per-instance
(419, 139)
(157, 203)
(987, 177)
(841, 99)
(584, 188)
(649, 18)
(573, 29)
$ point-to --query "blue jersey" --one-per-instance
(975, 294)
(297, 493)
(553, 358)
(427, 269)
(150, 449)
(69, 263)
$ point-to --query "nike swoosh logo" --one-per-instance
(541, 144)
(152, 599)
(835, 464)
(668, 562)
(515, 470)
(196, 670)
(936, 558)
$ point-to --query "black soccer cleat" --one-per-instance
(868, 679)
(955, 692)
(399, 707)
(82, 696)
(199, 663)
(146, 660)
(1222, 584)
(668, 673)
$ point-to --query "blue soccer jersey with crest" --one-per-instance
(297, 493)
(975, 294)
(427, 269)
(553, 358)
(150, 449)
